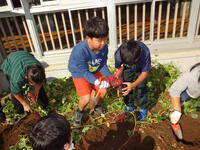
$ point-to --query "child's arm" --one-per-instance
(140, 79)
(78, 64)
(25, 105)
(134, 84)
(180, 85)
(16, 90)
(105, 71)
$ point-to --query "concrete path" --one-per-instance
(182, 59)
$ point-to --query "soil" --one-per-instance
(10, 134)
(149, 137)
(119, 136)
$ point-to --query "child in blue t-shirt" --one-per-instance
(134, 58)
(88, 66)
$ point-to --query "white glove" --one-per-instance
(104, 84)
(97, 82)
(175, 116)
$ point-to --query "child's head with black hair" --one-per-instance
(96, 28)
(130, 52)
(35, 74)
(51, 132)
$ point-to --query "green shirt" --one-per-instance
(15, 67)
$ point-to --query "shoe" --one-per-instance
(142, 114)
(129, 108)
(98, 110)
(2, 117)
(78, 118)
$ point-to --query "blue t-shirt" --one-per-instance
(144, 62)
(84, 63)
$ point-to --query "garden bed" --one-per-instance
(98, 134)
(122, 135)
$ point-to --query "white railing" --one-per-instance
(60, 26)
(15, 36)
(62, 30)
(197, 33)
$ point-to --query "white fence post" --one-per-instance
(152, 20)
(111, 10)
(194, 10)
(32, 28)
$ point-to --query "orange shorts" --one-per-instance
(83, 87)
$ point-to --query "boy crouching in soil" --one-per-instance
(133, 57)
(88, 64)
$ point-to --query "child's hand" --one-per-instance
(127, 89)
(97, 82)
(27, 107)
(104, 84)
(175, 116)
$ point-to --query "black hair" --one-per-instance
(129, 52)
(51, 132)
(96, 27)
(194, 66)
(36, 73)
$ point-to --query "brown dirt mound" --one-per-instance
(150, 137)
(118, 136)
(10, 134)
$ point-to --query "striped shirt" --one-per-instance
(15, 67)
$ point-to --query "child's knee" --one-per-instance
(103, 92)
(85, 98)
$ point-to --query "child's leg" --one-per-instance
(184, 96)
(142, 94)
(83, 101)
(42, 98)
(83, 90)
(143, 100)
(129, 76)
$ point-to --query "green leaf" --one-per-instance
(129, 132)
(85, 129)
(194, 115)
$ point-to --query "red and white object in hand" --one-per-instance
(102, 84)
(114, 81)
(118, 73)
(31, 97)
(175, 116)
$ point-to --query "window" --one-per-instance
(43, 2)
(5, 5)
(16, 3)
(48, 2)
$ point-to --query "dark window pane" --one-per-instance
(16, 3)
(3, 3)
(48, 0)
